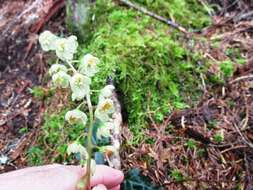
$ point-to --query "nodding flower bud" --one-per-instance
(106, 92)
(105, 130)
(47, 40)
(76, 117)
(88, 65)
(55, 68)
(80, 86)
(75, 148)
(66, 48)
(104, 110)
(61, 79)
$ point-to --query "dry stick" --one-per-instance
(243, 138)
(151, 14)
(247, 77)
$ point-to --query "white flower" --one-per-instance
(47, 40)
(55, 68)
(104, 110)
(110, 149)
(61, 79)
(88, 65)
(106, 92)
(75, 148)
(76, 117)
(66, 47)
(80, 86)
(105, 131)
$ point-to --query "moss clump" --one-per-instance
(152, 69)
(189, 13)
(51, 145)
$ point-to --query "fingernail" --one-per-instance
(99, 187)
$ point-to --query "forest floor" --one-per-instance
(199, 136)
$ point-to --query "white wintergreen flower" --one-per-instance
(80, 86)
(88, 65)
(66, 47)
(47, 40)
(55, 68)
(106, 92)
(61, 79)
(76, 117)
(104, 110)
(75, 148)
(105, 131)
(110, 149)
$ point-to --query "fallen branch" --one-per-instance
(151, 14)
(247, 77)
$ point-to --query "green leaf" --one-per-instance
(134, 180)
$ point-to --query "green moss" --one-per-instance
(150, 66)
(189, 13)
(53, 140)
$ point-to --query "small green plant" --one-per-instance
(35, 155)
(23, 130)
(65, 75)
(227, 68)
(40, 92)
(212, 124)
(191, 144)
(201, 152)
(177, 175)
(219, 137)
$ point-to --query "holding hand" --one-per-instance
(59, 177)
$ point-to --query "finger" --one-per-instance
(99, 187)
(116, 188)
(30, 169)
(108, 176)
(76, 169)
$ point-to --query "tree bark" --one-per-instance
(17, 18)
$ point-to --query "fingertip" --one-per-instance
(108, 176)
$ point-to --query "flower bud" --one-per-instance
(76, 117)
(66, 48)
(61, 79)
(88, 65)
(105, 130)
(47, 40)
(104, 110)
(106, 92)
(55, 68)
(75, 148)
(80, 86)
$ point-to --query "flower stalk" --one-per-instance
(65, 75)
(89, 142)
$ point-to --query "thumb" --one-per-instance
(99, 187)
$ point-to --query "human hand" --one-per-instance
(59, 177)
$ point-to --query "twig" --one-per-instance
(151, 14)
(243, 138)
(250, 77)
(234, 148)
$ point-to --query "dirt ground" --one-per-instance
(22, 67)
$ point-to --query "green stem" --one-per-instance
(79, 106)
(89, 143)
(72, 67)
